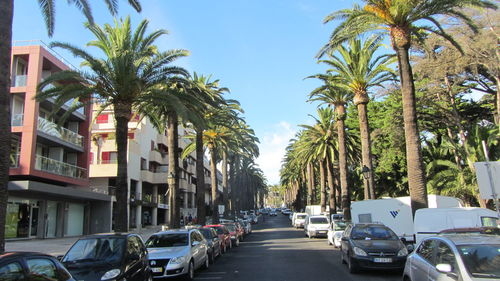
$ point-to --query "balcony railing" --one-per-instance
(17, 120)
(14, 160)
(59, 168)
(52, 129)
(19, 80)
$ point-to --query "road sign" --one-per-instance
(488, 179)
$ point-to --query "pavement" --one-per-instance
(59, 246)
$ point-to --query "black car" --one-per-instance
(372, 246)
(32, 266)
(108, 257)
(214, 242)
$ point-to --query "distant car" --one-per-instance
(254, 219)
(372, 246)
(236, 233)
(298, 219)
(177, 252)
(32, 266)
(214, 242)
(114, 256)
(224, 236)
(336, 217)
(273, 214)
(335, 233)
(471, 257)
(247, 226)
(316, 226)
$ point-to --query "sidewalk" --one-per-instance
(59, 246)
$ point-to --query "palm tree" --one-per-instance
(356, 69)
(403, 19)
(132, 74)
(330, 94)
(6, 14)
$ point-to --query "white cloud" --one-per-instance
(272, 149)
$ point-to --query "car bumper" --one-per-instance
(172, 271)
(370, 263)
(319, 233)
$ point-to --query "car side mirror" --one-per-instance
(410, 248)
(444, 268)
(195, 243)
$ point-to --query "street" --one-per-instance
(278, 252)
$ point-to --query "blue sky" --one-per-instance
(261, 50)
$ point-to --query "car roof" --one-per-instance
(175, 231)
(14, 255)
(112, 234)
(472, 239)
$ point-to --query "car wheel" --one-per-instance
(352, 266)
(207, 262)
(190, 273)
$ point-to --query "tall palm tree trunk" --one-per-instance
(173, 170)
(225, 187)
(309, 185)
(345, 190)
(122, 116)
(331, 185)
(366, 152)
(414, 160)
(200, 179)
(6, 10)
(213, 177)
(322, 171)
(232, 193)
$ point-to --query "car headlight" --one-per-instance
(177, 260)
(403, 252)
(113, 273)
(359, 252)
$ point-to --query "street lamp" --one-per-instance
(365, 172)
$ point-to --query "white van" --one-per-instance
(315, 226)
(429, 222)
(395, 213)
(298, 219)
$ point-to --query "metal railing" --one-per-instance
(59, 168)
(19, 80)
(17, 43)
(14, 160)
(17, 120)
(52, 129)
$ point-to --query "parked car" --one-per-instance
(32, 266)
(273, 213)
(254, 219)
(336, 217)
(110, 256)
(472, 230)
(471, 257)
(315, 226)
(372, 246)
(335, 233)
(214, 242)
(247, 226)
(298, 219)
(177, 252)
(236, 235)
(224, 236)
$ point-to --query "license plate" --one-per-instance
(323, 232)
(382, 260)
(157, 269)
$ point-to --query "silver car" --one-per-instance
(465, 257)
(177, 252)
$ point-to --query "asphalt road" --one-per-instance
(277, 252)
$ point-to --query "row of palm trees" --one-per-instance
(354, 69)
(134, 77)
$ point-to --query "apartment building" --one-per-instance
(49, 194)
(147, 169)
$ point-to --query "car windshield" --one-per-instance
(373, 232)
(340, 225)
(109, 250)
(167, 240)
(319, 220)
(301, 217)
(207, 233)
(219, 230)
(481, 260)
(231, 227)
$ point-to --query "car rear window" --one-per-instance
(301, 217)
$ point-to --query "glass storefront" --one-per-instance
(76, 213)
(51, 221)
(22, 218)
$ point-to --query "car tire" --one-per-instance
(352, 266)
(329, 243)
(190, 273)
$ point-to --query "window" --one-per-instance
(144, 164)
(489, 221)
(446, 256)
(11, 272)
(42, 267)
(102, 118)
(131, 136)
(425, 250)
(91, 157)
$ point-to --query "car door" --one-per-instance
(133, 259)
(344, 243)
(195, 248)
(41, 269)
(203, 247)
(444, 255)
(12, 271)
(423, 260)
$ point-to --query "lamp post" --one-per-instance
(366, 173)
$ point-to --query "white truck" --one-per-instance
(313, 210)
(395, 213)
(429, 222)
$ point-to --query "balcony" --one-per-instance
(19, 80)
(64, 134)
(59, 168)
(14, 160)
(17, 120)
